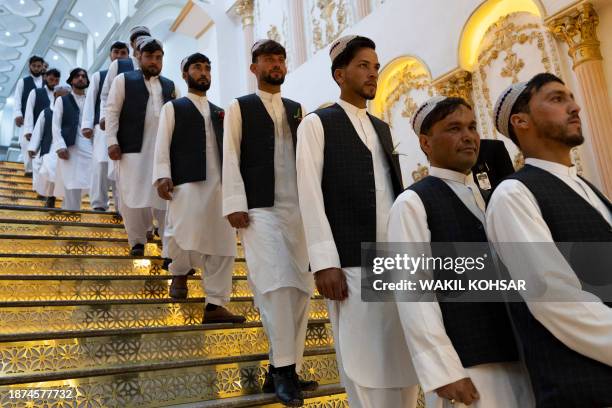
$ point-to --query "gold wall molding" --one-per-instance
(245, 9)
(457, 83)
(330, 18)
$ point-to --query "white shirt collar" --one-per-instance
(77, 96)
(451, 175)
(267, 96)
(198, 98)
(553, 167)
(350, 108)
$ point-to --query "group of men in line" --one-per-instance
(305, 191)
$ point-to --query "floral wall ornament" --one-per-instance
(420, 173)
(330, 18)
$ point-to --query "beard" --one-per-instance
(82, 85)
(202, 87)
(269, 79)
(36, 74)
(51, 88)
(150, 71)
(561, 133)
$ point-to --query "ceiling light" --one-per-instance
(60, 41)
(71, 24)
(109, 14)
(96, 33)
(55, 57)
(22, 2)
(1, 88)
(80, 14)
(8, 33)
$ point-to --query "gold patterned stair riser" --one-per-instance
(327, 401)
(55, 356)
(166, 387)
(60, 231)
(89, 266)
(59, 216)
(52, 319)
(22, 192)
(35, 202)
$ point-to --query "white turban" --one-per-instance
(504, 105)
(145, 40)
(140, 29)
(423, 112)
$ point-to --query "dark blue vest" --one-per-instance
(28, 85)
(480, 332)
(561, 377)
(97, 106)
(134, 109)
(124, 65)
(47, 136)
(70, 119)
(349, 190)
(188, 146)
(41, 102)
(257, 147)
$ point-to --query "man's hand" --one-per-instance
(19, 121)
(114, 152)
(28, 136)
(239, 219)
(87, 132)
(331, 283)
(31, 153)
(102, 124)
(462, 391)
(63, 154)
(165, 188)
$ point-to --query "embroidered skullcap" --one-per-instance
(339, 46)
(504, 105)
(193, 59)
(140, 30)
(423, 112)
(147, 41)
(259, 43)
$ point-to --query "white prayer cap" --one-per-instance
(183, 62)
(339, 46)
(140, 29)
(62, 88)
(423, 112)
(504, 105)
(258, 44)
(142, 42)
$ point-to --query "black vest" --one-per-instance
(124, 65)
(98, 95)
(257, 147)
(70, 119)
(41, 102)
(134, 109)
(28, 85)
(480, 332)
(47, 136)
(561, 377)
(349, 190)
(188, 146)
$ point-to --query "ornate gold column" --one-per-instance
(577, 28)
(457, 83)
(296, 12)
(362, 9)
(244, 8)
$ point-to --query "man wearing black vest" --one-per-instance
(348, 179)
(565, 326)
(73, 172)
(260, 198)
(22, 91)
(38, 100)
(120, 66)
(463, 352)
(39, 147)
(90, 127)
(187, 173)
(132, 114)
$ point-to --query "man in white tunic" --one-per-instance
(565, 324)
(100, 182)
(347, 181)
(187, 172)
(463, 352)
(132, 117)
(38, 100)
(260, 198)
(72, 148)
(41, 149)
(22, 91)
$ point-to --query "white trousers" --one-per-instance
(72, 199)
(216, 270)
(138, 221)
(365, 397)
(27, 160)
(284, 315)
(100, 184)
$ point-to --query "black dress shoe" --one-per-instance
(137, 250)
(286, 389)
(50, 203)
(268, 385)
(100, 209)
(28, 174)
(166, 264)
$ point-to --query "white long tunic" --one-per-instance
(195, 214)
(513, 215)
(274, 240)
(38, 82)
(503, 385)
(111, 74)
(135, 170)
(44, 167)
(371, 341)
(74, 173)
(100, 151)
(29, 120)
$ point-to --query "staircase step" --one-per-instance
(13, 245)
(25, 193)
(58, 316)
(112, 267)
(35, 360)
(35, 202)
(171, 383)
(61, 229)
(25, 213)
